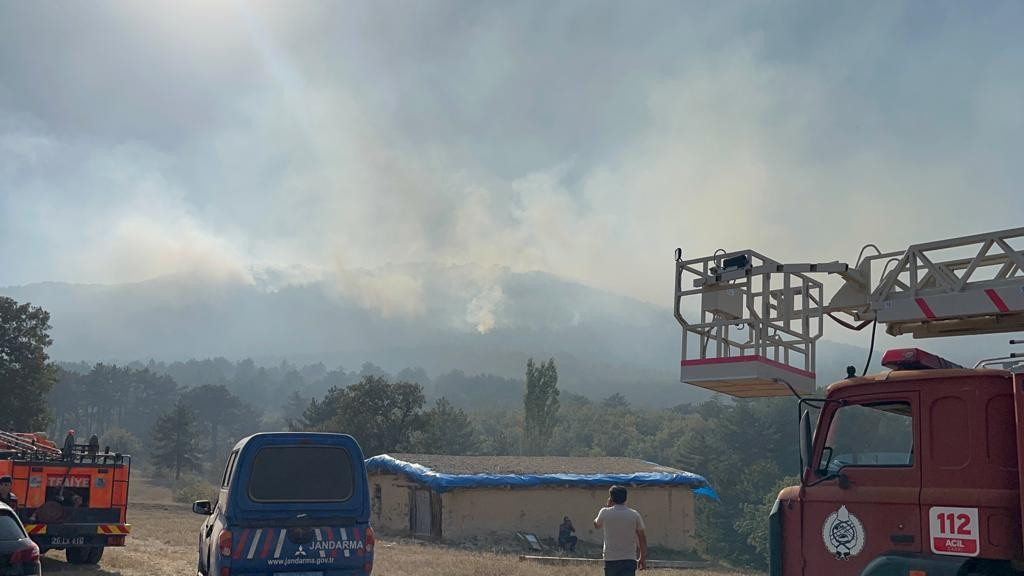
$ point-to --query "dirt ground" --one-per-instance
(163, 543)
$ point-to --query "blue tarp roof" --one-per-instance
(440, 482)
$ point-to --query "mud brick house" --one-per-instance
(453, 498)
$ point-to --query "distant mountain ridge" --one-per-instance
(439, 318)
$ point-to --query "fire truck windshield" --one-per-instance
(870, 435)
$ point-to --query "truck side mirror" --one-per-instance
(826, 460)
(202, 507)
(806, 442)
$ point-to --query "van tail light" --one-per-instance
(371, 539)
(27, 555)
(368, 544)
(225, 572)
(224, 543)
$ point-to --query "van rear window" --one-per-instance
(301, 474)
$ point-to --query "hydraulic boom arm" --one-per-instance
(759, 319)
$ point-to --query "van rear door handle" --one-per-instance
(902, 538)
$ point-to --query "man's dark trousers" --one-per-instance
(620, 568)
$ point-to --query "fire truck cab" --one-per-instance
(914, 471)
(73, 498)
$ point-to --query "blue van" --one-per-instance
(290, 504)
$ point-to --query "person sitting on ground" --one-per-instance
(6, 496)
(624, 536)
(566, 539)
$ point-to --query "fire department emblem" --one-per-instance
(843, 534)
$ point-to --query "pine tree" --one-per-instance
(296, 406)
(447, 430)
(176, 441)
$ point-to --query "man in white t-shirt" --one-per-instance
(623, 536)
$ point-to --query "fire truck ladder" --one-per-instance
(20, 444)
(759, 320)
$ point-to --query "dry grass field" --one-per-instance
(163, 543)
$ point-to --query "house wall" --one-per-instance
(668, 512)
(391, 510)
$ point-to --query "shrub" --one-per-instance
(192, 488)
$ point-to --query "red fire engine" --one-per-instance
(917, 471)
(72, 498)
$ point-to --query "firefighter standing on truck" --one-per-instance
(6, 496)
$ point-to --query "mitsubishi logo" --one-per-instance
(300, 551)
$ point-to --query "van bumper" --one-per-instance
(285, 572)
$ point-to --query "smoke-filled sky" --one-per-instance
(586, 139)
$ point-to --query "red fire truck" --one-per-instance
(71, 498)
(916, 471)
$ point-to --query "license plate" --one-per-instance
(67, 541)
(298, 574)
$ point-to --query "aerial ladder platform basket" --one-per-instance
(751, 323)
